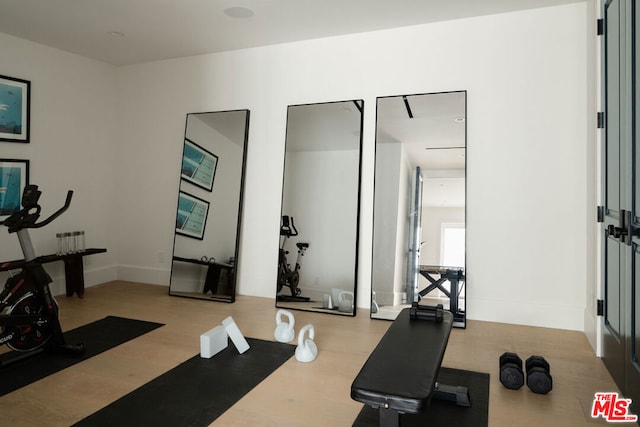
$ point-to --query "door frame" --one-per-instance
(625, 225)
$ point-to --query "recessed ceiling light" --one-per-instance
(116, 34)
(238, 12)
(459, 120)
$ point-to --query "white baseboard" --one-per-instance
(100, 275)
(390, 298)
(153, 276)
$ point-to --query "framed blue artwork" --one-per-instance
(192, 215)
(198, 165)
(15, 95)
(14, 176)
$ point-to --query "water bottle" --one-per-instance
(80, 244)
(59, 244)
(73, 247)
(66, 247)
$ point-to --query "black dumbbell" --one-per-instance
(511, 375)
(538, 375)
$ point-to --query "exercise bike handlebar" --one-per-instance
(57, 213)
(288, 228)
(26, 218)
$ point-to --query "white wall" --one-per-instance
(406, 189)
(526, 151)
(219, 240)
(220, 229)
(432, 219)
(73, 145)
(325, 216)
(526, 82)
(394, 179)
(386, 219)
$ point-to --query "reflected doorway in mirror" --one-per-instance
(425, 133)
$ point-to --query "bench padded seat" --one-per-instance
(401, 372)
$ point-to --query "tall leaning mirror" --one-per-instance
(419, 208)
(317, 263)
(209, 205)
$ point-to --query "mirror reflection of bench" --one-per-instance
(73, 268)
(215, 271)
(456, 277)
(399, 377)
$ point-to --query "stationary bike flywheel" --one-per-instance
(29, 337)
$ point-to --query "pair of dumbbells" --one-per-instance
(539, 378)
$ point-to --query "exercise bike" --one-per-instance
(28, 311)
(286, 275)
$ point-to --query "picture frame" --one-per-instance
(15, 109)
(191, 217)
(198, 165)
(14, 177)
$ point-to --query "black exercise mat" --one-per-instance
(97, 337)
(197, 391)
(443, 413)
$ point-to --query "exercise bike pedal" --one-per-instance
(73, 349)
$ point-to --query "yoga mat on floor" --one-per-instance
(197, 391)
(442, 413)
(97, 337)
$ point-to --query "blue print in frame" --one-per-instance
(198, 165)
(15, 97)
(14, 176)
(191, 217)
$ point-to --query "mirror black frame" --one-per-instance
(359, 105)
(460, 317)
(214, 269)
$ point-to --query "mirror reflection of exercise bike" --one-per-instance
(29, 313)
(286, 275)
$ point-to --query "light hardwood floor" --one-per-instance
(297, 394)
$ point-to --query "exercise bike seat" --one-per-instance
(301, 245)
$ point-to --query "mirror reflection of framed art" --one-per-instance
(198, 165)
(192, 216)
(208, 217)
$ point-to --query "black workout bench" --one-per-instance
(455, 276)
(400, 375)
(73, 268)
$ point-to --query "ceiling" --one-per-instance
(434, 134)
(231, 124)
(329, 126)
(430, 127)
(122, 32)
(432, 131)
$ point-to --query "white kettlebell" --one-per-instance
(307, 351)
(345, 301)
(284, 330)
